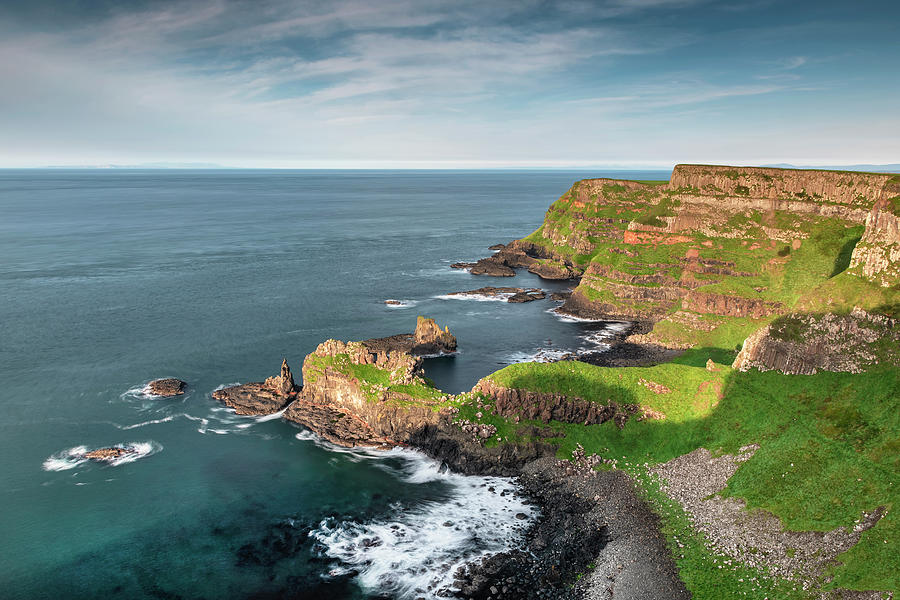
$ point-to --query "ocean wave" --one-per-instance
(400, 303)
(567, 318)
(73, 457)
(414, 551)
(475, 297)
(150, 422)
(541, 355)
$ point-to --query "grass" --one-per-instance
(829, 443)
(828, 446)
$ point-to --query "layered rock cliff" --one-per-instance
(877, 255)
(711, 245)
(803, 344)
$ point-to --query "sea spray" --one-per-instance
(415, 551)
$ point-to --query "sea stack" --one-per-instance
(431, 339)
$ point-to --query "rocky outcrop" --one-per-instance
(430, 339)
(522, 254)
(167, 387)
(730, 306)
(260, 398)
(350, 395)
(511, 294)
(108, 454)
(803, 344)
(514, 403)
(877, 255)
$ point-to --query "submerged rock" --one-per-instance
(167, 387)
(261, 398)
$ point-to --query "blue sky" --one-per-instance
(418, 83)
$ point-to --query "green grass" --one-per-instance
(828, 443)
(373, 381)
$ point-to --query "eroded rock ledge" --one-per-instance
(803, 344)
(261, 398)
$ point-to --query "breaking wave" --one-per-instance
(415, 550)
(73, 457)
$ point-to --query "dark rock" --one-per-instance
(492, 267)
(561, 296)
(514, 294)
(167, 387)
(264, 398)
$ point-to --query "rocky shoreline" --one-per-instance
(594, 538)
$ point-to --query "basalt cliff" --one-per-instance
(719, 247)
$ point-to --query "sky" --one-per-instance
(427, 84)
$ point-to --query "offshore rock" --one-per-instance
(260, 398)
(512, 294)
(167, 387)
(430, 339)
(106, 454)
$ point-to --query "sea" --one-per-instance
(112, 278)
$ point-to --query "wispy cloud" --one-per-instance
(217, 78)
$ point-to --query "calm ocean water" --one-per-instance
(111, 278)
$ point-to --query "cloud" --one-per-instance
(347, 79)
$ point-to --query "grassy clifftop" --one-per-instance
(710, 258)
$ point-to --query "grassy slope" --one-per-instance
(829, 442)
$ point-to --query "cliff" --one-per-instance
(714, 246)
(877, 255)
(803, 344)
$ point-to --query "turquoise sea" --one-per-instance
(111, 278)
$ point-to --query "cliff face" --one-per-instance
(529, 405)
(848, 195)
(732, 242)
(803, 344)
(877, 255)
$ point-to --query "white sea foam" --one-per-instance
(415, 550)
(541, 355)
(151, 422)
(503, 297)
(73, 457)
(397, 304)
(566, 318)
